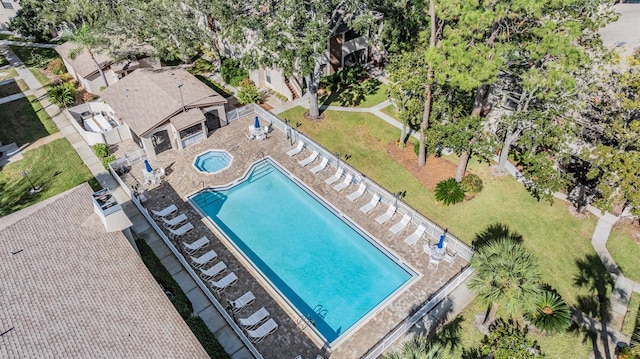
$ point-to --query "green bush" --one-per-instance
(64, 94)
(232, 73)
(449, 191)
(100, 149)
(181, 302)
(202, 66)
(552, 314)
(56, 67)
(206, 338)
(107, 160)
(471, 183)
(164, 278)
(248, 92)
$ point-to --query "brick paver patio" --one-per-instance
(292, 337)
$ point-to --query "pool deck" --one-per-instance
(290, 339)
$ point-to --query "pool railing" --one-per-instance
(434, 231)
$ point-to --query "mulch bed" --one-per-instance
(435, 170)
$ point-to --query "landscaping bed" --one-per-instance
(181, 302)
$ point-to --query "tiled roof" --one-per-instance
(69, 289)
(82, 63)
(147, 98)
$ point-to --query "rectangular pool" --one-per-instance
(329, 270)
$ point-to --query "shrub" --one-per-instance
(202, 66)
(63, 95)
(248, 92)
(206, 338)
(107, 160)
(552, 315)
(100, 149)
(231, 72)
(56, 67)
(471, 183)
(163, 277)
(449, 191)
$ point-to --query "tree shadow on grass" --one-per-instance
(595, 276)
(494, 232)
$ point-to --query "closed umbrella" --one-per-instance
(147, 166)
(441, 242)
(257, 123)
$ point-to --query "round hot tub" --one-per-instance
(212, 161)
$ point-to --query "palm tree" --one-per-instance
(86, 41)
(507, 276)
(418, 348)
(552, 314)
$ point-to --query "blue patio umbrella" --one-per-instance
(441, 242)
(257, 123)
(147, 166)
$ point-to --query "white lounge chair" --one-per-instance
(297, 149)
(175, 221)
(257, 335)
(401, 225)
(415, 236)
(345, 183)
(358, 193)
(309, 159)
(254, 319)
(371, 205)
(193, 247)
(319, 167)
(386, 215)
(213, 271)
(244, 300)
(165, 212)
(198, 262)
(336, 176)
(177, 233)
(224, 283)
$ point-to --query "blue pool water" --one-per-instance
(212, 161)
(324, 267)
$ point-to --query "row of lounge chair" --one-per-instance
(411, 240)
(258, 325)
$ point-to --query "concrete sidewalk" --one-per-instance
(202, 306)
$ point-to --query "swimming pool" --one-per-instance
(212, 161)
(330, 271)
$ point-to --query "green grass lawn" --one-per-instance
(3, 60)
(56, 167)
(632, 314)
(13, 88)
(391, 111)
(379, 96)
(8, 74)
(333, 99)
(565, 345)
(36, 58)
(24, 120)
(625, 250)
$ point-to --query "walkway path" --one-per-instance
(201, 305)
(608, 335)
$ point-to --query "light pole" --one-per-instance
(33, 189)
(181, 99)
